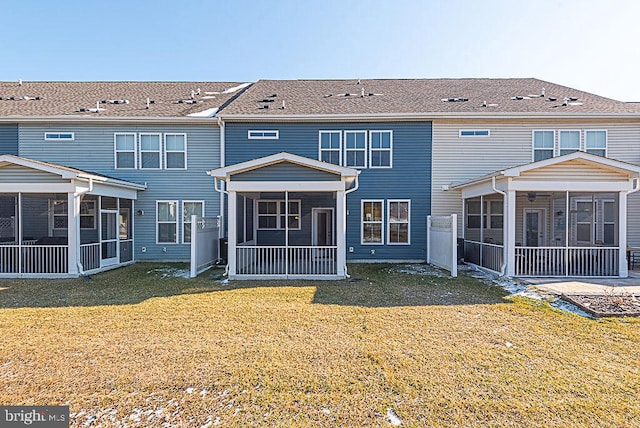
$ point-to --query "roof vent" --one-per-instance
(358, 82)
(264, 107)
(115, 101)
(19, 82)
(520, 97)
(273, 95)
(186, 102)
(266, 100)
(551, 99)
(454, 100)
(283, 105)
(327, 96)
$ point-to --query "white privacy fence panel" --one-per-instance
(442, 242)
(205, 243)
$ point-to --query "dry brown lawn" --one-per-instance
(130, 348)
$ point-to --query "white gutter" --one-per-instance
(503, 267)
(423, 116)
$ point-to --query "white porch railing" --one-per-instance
(489, 256)
(566, 261)
(90, 256)
(285, 261)
(45, 259)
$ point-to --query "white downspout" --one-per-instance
(353, 189)
(222, 193)
(505, 223)
(78, 264)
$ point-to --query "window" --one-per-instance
(474, 133)
(355, 149)
(380, 149)
(595, 142)
(331, 147)
(175, 146)
(263, 135)
(125, 146)
(569, 142)
(583, 221)
(398, 213)
(190, 208)
(167, 222)
(496, 215)
(60, 214)
(609, 214)
(372, 226)
(150, 149)
(543, 144)
(88, 215)
(272, 215)
(473, 215)
(59, 136)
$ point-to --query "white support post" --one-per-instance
(510, 243)
(506, 221)
(428, 239)
(73, 232)
(232, 234)
(454, 244)
(623, 267)
(341, 232)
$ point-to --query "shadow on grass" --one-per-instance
(369, 286)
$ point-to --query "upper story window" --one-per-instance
(592, 141)
(380, 150)
(595, 142)
(331, 147)
(125, 147)
(568, 141)
(175, 147)
(355, 149)
(150, 149)
(59, 136)
(263, 135)
(543, 145)
(474, 133)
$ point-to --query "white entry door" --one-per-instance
(109, 247)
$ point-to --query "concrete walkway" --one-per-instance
(589, 286)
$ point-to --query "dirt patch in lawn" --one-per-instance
(607, 305)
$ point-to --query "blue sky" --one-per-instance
(589, 45)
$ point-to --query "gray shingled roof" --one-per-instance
(327, 97)
(66, 98)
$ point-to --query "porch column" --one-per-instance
(341, 232)
(73, 232)
(509, 230)
(623, 267)
(232, 235)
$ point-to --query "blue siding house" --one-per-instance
(385, 208)
(98, 175)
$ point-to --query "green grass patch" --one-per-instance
(140, 347)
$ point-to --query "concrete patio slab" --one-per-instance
(587, 286)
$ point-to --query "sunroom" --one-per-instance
(565, 216)
(62, 222)
(286, 217)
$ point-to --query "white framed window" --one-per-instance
(609, 222)
(474, 133)
(568, 141)
(150, 150)
(59, 136)
(125, 150)
(496, 214)
(595, 141)
(175, 151)
(584, 221)
(190, 208)
(166, 222)
(88, 215)
(398, 222)
(330, 147)
(380, 149)
(273, 215)
(372, 222)
(263, 135)
(59, 214)
(543, 144)
(355, 149)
